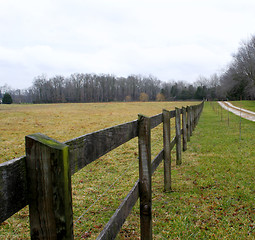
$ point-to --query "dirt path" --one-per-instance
(238, 111)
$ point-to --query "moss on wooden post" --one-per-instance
(49, 188)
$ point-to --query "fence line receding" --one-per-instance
(42, 178)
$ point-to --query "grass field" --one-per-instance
(213, 191)
(66, 121)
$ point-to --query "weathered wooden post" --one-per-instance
(49, 188)
(178, 136)
(188, 123)
(167, 150)
(144, 145)
(184, 127)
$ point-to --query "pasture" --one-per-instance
(213, 190)
(66, 121)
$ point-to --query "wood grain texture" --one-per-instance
(156, 120)
(178, 136)
(49, 188)
(144, 145)
(86, 149)
(13, 187)
(167, 150)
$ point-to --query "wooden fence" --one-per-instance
(42, 178)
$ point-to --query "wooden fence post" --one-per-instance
(144, 145)
(184, 127)
(188, 123)
(178, 136)
(49, 188)
(167, 151)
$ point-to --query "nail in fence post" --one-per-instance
(178, 136)
(184, 127)
(167, 150)
(49, 188)
(144, 145)
(188, 123)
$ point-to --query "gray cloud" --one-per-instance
(177, 39)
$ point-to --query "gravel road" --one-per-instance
(237, 111)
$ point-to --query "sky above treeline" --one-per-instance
(169, 39)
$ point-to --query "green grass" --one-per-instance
(213, 190)
(249, 105)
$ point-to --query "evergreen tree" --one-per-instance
(7, 99)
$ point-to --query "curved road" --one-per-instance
(237, 111)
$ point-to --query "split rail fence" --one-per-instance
(42, 178)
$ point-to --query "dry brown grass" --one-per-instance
(66, 121)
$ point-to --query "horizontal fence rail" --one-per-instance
(86, 149)
(45, 173)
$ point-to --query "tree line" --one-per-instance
(80, 87)
(236, 82)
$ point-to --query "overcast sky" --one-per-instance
(169, 39)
